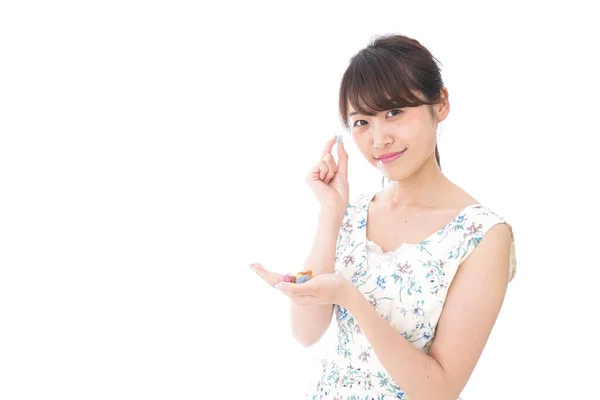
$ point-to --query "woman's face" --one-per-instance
(410, 130)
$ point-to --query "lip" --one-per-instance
(390, 156)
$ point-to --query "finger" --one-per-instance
(332, 167)
(296, 289)
(328, 146)
(314, 174)
(271, 278)
(342, 160)
(323, 169)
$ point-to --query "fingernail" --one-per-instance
(339, 139)
(279, 286)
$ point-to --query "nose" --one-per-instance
(381, 136)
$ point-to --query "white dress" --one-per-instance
(407, 286)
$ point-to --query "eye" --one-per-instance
(359, 120)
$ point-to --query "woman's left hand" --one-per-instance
(321, 289)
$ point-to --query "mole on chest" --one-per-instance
(390, 231)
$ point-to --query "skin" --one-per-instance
(419, 193)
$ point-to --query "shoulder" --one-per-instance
(354, 219)
(487, 230)
(358, 203)
(478, 219)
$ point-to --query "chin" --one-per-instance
(396, 174)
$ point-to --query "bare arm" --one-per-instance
(309, 323)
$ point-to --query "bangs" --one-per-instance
(378, 80)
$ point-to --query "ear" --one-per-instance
(443, 108)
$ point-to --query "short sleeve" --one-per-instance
(480, 222)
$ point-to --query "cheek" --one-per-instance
(422, 139)
(428, 140)
(363, 146)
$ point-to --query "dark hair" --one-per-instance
(384, 75)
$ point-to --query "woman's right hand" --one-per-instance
(328, 180)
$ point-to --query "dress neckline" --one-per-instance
(420, 244)
(379, 250)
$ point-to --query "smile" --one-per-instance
(388, 158)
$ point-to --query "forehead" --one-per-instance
(387, 98)
(362, 107)
(363, 110)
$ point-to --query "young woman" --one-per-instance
(416, 273)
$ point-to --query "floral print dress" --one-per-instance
(407, 286)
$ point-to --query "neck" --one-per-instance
(423, 188)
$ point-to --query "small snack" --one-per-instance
(300, 277)
(304, 276)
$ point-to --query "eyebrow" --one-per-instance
(356, 112)
(372, 113)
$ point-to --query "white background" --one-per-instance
(149, 151)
